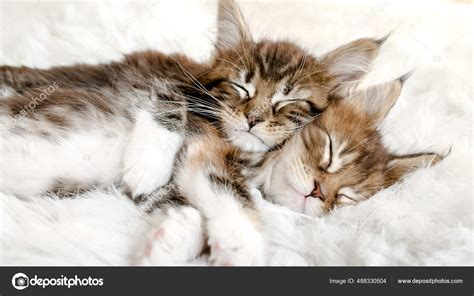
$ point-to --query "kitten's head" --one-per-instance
(269, 89)
(340, 159)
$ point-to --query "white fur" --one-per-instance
(249, 86)
(6, 91)
(247, 142)
(92, 156)
(178, 239)
(234, 240)
(326, 159)
(242, 93)
(149, 156)
(31, 164)
(425, 220)
(237, 130)
(338, 160)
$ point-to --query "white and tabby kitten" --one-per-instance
(124, 122)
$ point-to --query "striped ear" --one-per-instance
(401, 165)
(378, 100)
(231, 26)
(349, 63)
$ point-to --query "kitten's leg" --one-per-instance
(210, 176)
(178, 239)
(157, 137)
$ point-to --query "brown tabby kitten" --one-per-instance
(336, 160)
(340, 158)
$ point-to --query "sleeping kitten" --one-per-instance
(338, 159)
(125, 121)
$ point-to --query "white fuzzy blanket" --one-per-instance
(425, 220)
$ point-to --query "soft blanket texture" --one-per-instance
(425, 220)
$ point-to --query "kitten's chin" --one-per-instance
(288, 199)
(247, 142)
(305, 205)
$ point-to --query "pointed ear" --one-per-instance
(401, 165)
(231, 26)
(351, 62)
(378, 100)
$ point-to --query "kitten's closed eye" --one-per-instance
(243, 92)
(280, 104)
(290, 94)
(345, 200)
(348, 196)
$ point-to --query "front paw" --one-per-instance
(145, 172)
(235, 242)
(177, 240)
(149, 156)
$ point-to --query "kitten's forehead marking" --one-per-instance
(327, 152)
(339, 159)
(241, 92)
(278, 59)
(281, 69)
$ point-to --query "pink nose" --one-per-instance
(317, 192)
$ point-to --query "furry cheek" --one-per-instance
(282, 192)
(284, 196)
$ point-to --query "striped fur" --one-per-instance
(340, 158)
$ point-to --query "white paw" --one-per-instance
(177, 240)
(144, 173)
(235, 242)
(149, 156)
